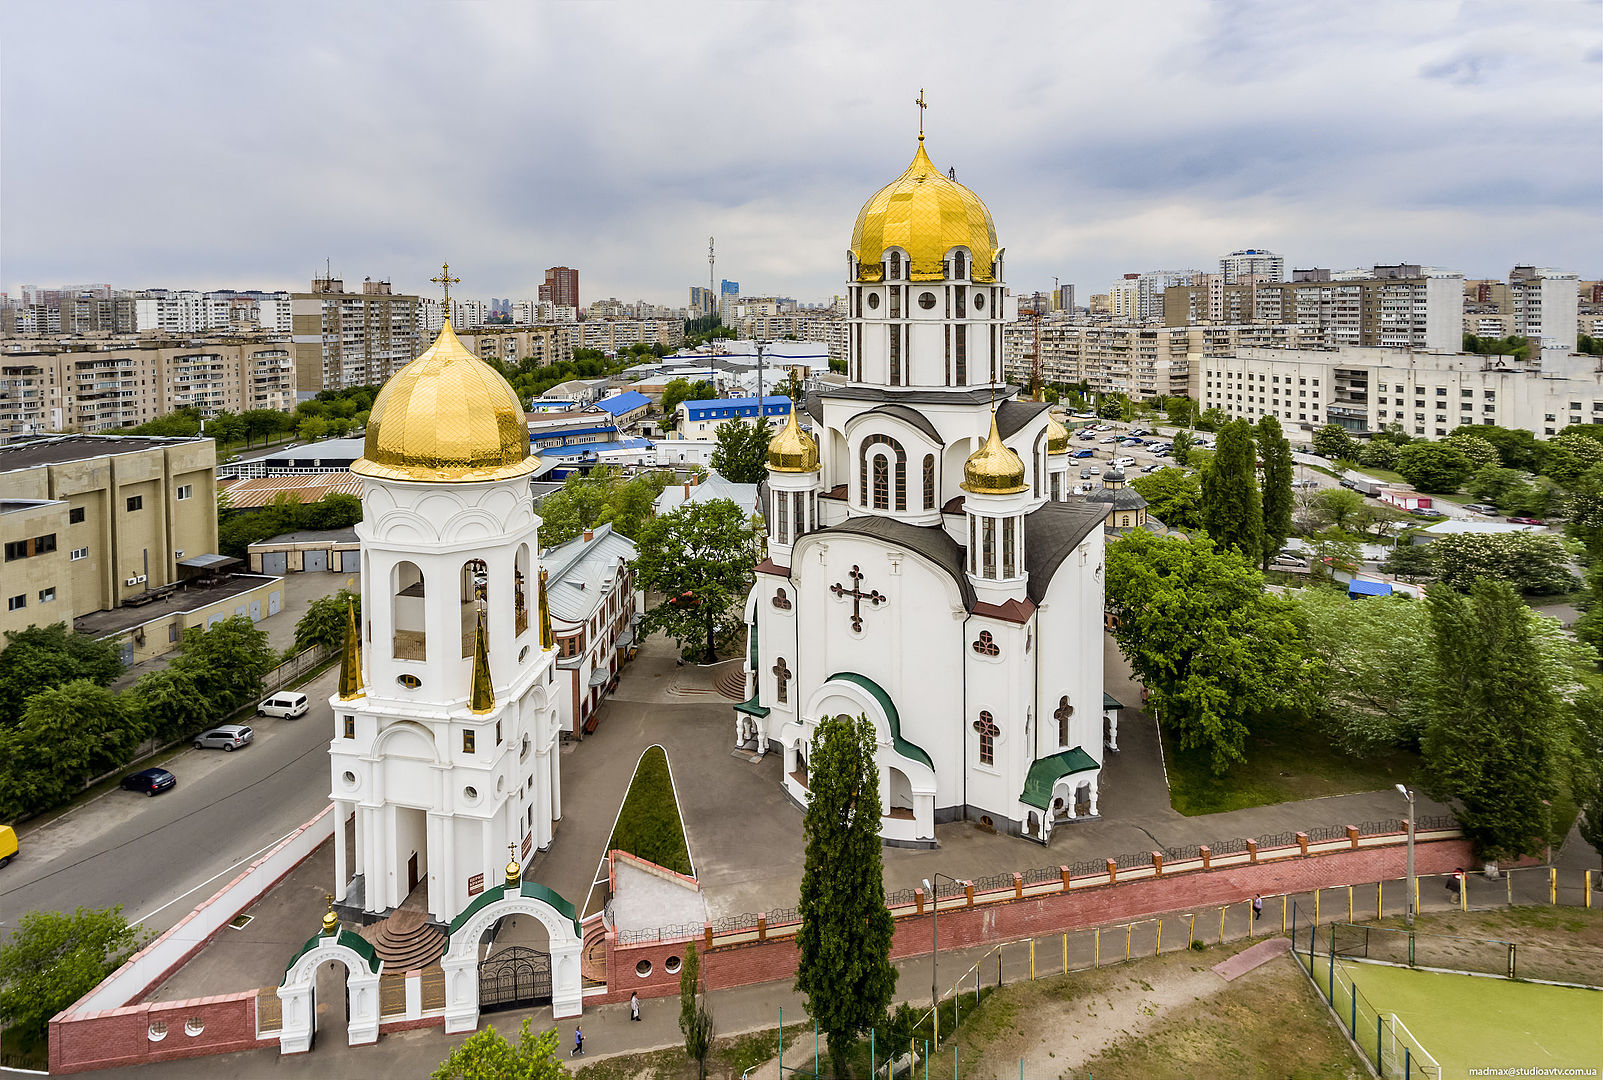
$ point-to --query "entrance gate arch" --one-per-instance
(461, 960)
(296, 994)
(514, 978)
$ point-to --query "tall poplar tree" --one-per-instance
(1275, 453)
(1231, 511)
(844, 945)
(1491, 719)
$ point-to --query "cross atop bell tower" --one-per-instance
(922, 105)
(445, 280)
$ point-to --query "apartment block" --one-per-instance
(1262, 265)
(561, 287)
(1426, 393)
(610, 335)
(351, 338)
(514, 345)
(92, 521)
(104, 386)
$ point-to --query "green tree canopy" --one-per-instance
(1275, 453)
(1530, 562)
(682, 389)
(1181, 411)
(604, 495)
(1231, 510)
(1492, 721)
(40, 657)
(1517, 448)
(1211, 647)
(325, 620)
(1339, 508)
(226, 662)
(52, 959)
(844, 944)
(1174, 497)
(1435, 467)
(1480, 452)
(66, 735)
(699, 559)
(1410, 561)
(1182, 444)
(1379, 454)
(487, 1055)
(741, 456)
(695, 1019)
(1586, 781)
(1371, 654)
(1333, 443)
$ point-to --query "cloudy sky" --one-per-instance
(238, 145)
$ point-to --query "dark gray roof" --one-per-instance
(931, 541)
(1050, 534)
(1124, 498)
(973, 395)
(1011, 416)
(814, 407)
(908, 415)
(59, 449)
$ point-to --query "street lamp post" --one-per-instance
(1412, 887)
(935, 949)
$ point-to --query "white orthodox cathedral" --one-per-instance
(926, 566)
(445, 742)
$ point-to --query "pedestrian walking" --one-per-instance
(1257, 907)
(634, 1006)
(578, 1043)
(1455, 884)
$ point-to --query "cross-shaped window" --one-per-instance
(1064, 711)
(988, 733)
(782, 674)
(986, 646)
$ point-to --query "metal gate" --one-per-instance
(275, 562)
(314, 560)
(513, 978)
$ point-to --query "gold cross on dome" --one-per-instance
(922, 105)
(446, 280)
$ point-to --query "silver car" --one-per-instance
(229, 737)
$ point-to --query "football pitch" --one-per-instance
(1477, 1022)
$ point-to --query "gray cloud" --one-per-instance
(198, 144)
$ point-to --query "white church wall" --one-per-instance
(1070, 628)
(999, 685)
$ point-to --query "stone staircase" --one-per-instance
(593, 953)
(406, 940)
(731, 682)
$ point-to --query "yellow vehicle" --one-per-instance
(8, 844)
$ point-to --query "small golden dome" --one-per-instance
(331, 921)
(514, 872)
(993, 469)
(1057, 436)
(792, 450)
(446, 417)
(926, 214)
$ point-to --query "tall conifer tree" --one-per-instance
(1275, 453)
(1231, 511)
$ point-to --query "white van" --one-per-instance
(286, 705)
(1123, 462)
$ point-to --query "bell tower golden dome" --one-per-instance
(926, 214)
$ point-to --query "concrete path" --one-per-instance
(1252, 957)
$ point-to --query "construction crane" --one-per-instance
(1035, 358)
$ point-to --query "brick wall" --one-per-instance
(116, 1037)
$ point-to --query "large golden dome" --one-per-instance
(993, 469)
(446, 417)
(792, 450)
(926, 214)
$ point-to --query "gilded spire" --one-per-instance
(922, 105)
(1057, 436)
(513, 870)
(481, 699)
(993, 469)
(548, 639)
(331, 921)
(351, 657)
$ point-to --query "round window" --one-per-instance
(194, 1026)
(643, 968)
(471, 794)
(979, 301)
(500, 784)
(926, 300)
(158, 1030)
(671, 965)
(349, 778)
(523, 654)
(873, 300)
(411, 682)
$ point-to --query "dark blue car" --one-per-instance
(150, 781)
(1082, 454)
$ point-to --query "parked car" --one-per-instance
(1094, 470)
(1349, 485)
(1287, 559)
(1526, 521)
(285, 705)
(1134, 442)
(8, 844)
(1154, 467)
(1123, 462)
(150, 781)
(1087, 434)
(1110, 439)
(229, 737)
(1162, 452)
(1425, 511)
(1082, 454)
(1140, 431)
(1482, 508)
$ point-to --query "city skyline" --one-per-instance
(1459, 135)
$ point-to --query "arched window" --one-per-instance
(406, 609)
(988, 732)
(475, 597)
(929, 481)
(957, 265)
(782, 524)
(1064, 711)
(520, 578)
(882, 481)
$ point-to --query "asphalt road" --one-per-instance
(160, 856)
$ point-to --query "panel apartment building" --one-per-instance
(351, 338)
(1401, 306)
(95, 386)
(1425, 393)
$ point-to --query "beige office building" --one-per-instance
(98, 386)
(90, 521)
(351, 338)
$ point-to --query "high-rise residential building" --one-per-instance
(351, 338)
(561, 286)
(1263, 265)
(1140, 296)
(1065, 298)
(703, 302)
(1545, 305)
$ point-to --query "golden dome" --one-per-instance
(792, 450)
(331, 921)
(926, 214)
(447, 416)
(1057, 436)
(993, 469)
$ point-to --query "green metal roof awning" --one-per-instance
(1111, 702)
(751, 708)
(911, 751)
(1049, 770)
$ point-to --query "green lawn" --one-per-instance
(1474, 1022)
(649, 825)
(1287, 759)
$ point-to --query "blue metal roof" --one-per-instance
(777, 405)
(577, 449)
(1360, 587)
(628, 401)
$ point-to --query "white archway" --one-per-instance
(461, 960)
(295, 993)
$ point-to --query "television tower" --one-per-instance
(712, 293)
